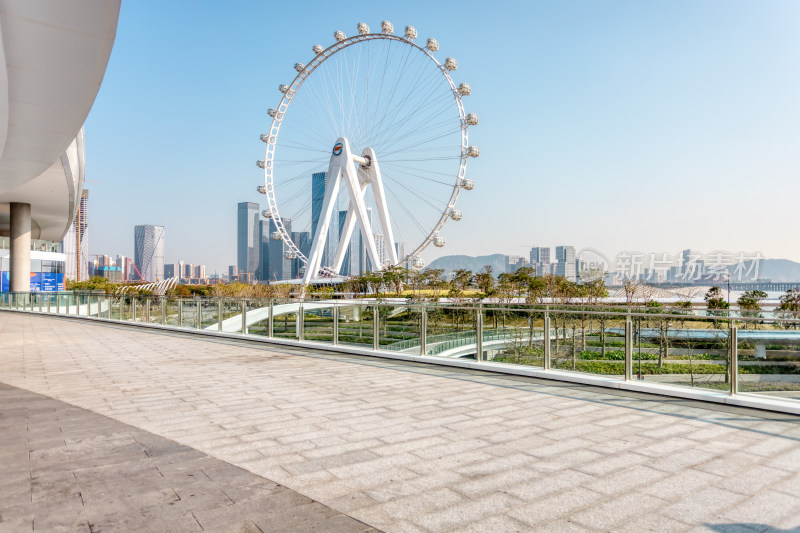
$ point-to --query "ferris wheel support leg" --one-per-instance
(353, 184)
(347, 232)
(317, 247)
(374, 173)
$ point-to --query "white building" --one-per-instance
(148, 251)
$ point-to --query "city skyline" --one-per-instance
(604, 130)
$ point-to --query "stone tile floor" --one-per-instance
(63, 468)
(411, 447)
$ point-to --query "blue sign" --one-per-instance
(40, 282)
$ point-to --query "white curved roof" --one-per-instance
(53, 56)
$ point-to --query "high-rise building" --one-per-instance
(262, 271)
(247, 245)
(76, 243)
(280, 268)
(540, 260)
(200, 272)
(148, 251)
(302, 240)
(317, 199)
(565, 266)
(233, 271)
(169, 271)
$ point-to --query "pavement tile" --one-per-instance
(555, 506)
(463, 513)
(769, 506)
(611, 512)
(699, 505)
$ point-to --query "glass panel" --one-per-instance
(231, 316)
(400, 329)
(209, 310)
(681, 349)
(127, 309)
(141, 310)
(769, 358)
(318, 322)
(257, 317)
(188, 313)
(355, 325)
(172, 311)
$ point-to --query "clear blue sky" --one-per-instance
(618, 125)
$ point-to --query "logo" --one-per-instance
(337, 148)
(592, 264)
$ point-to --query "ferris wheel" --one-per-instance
(368, 165)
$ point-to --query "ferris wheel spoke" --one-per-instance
(412, 191)
(431, 180)
(431, 106)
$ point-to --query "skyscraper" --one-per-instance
(247, 245)
(280, 268)
(317, 198)
(76, 243)
(262, 271)
(540, 260)
(148, 251)
(565, 255)
(303, 241)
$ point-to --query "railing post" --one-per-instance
(376, 328)
(146, 311)
(244, 317)
(49, 302)
(479, 334)
(546, 341)
(163, 311)
(133, 309)
(335, 324)
(733, 340)
(299, 322)
(628, 348)
(271, 319)
(423, 334)
(180, 313)
(219, 314)
(40, 298)
(58, 304)
(198, 315)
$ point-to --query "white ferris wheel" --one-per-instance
(371, 159)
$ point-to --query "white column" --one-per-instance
(20, 247)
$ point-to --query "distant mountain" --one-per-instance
(454, 262)
(780, 270)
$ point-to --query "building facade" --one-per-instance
(565, 265)
(76, 243)
(247, 233)
(148, 251)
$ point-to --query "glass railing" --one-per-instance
(703, 350)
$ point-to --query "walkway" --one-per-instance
(63, 468)
(411, 447)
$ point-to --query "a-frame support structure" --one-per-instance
(356, 179)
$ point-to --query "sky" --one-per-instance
(618, 125)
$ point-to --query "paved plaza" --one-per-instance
(394, 446)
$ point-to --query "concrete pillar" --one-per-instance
(20, 247)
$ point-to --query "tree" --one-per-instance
(484, 279)
(789, 307)
(462, 279)
(750, 303)
(714, 300)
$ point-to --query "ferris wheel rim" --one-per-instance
(286, 100)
